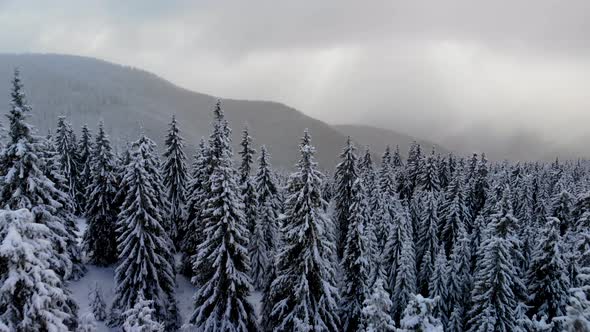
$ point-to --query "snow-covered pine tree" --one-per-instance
(405, 280)
(87, 323)
(23, 183)
(32, 295)
(142, 317)
(84, 154)
(428, 179)
(265, 237)
(247, 187)
(480, 186)
(398, 228)
(305, 256)
(100, 238)
(369, 177)
(175, 178)
(344, 178)
(377, 308)
(438, 287)
(454, 214)
(50, 164)
(561, 208)
(414, 167)
(355, 261)
(494, 301)
(548, 281)
(65, 143)
(197, 187)
(418, 316)
(221, 302)
(145, 269)
(389, 209)
(427, 244)
(459, 282)
(97, 304)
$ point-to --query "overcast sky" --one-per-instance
(430, 68)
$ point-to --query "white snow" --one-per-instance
(105, 277)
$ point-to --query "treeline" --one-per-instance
(429, 243)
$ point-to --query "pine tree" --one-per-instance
(414, 167)
(429, 176)
(175, 176)
(65, 142)
(480, 186)
(32, 295)
(399, 229)
(548, 280)
(418, 316)
(344, 178)
(23, 183)
(438, 287)
(304, 293)
(142, 317)
(561, 208)
(84, 154)
(248, 190)
(454, 214)
(405, 281)
(145, 269)
(222, 259)
(263, 246)
(355, 262)
(87, 323)
(97, 304)
(377, 307)
(369, 177)
(496, 283)
(459, 282)
(197, 187)
(100, 239)
(51, 167)
(427, 241)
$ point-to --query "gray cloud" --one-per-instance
(438, 69)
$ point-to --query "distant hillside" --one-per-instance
(127, 99)
(378, 139)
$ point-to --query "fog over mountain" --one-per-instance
(473, 76)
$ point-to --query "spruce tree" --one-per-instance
(414, 168)
(548, 281)
(405, 280)
(32, 296)
(494, 301)
(65, 142)
(344, 178)
(438, 287)
(97, 304)
(175, 178)
(459, 282)
(145, 269)
(304, 293)
(428, 178)
(418, 316)
(561, 208)
(427, 241)
(197, 187)
(221, 258)
(355, 261)
(247, 187)
(141, 317)
(100, 239)
(51, 167)
(377, 307)
(265, 237)
(399, 229)
(23, 183)
(84, 154)
(455, 214)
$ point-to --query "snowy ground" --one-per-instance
(104, 277)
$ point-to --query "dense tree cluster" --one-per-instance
(423, 243)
